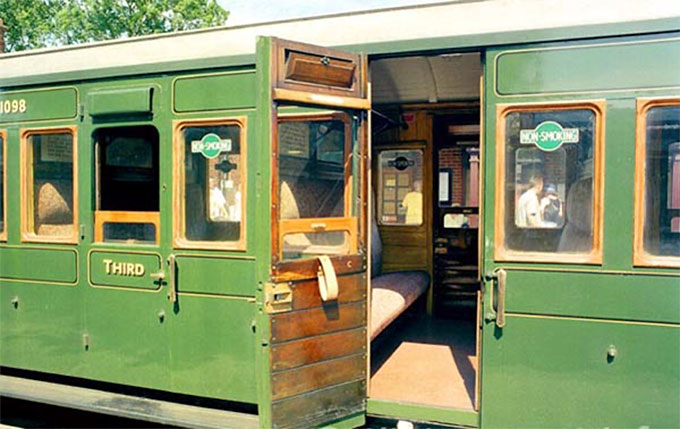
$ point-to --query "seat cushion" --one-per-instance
(392, 294)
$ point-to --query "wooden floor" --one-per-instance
(428, 361)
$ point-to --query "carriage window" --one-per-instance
(50, 190)
(3, 231)
(127, 176)
(661, 204)
(212, 193)
(550, 159)
(316, 179)
(400, 196)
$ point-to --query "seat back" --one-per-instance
(577, 235)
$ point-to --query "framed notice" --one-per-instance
(56, 148)
(294, 139)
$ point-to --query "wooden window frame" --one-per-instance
(26, 189)
(347, 223)
(179, 191)
(3, 233)
(642, 258)
(501, 253)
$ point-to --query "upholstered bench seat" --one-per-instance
(392, 294)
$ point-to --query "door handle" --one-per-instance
(497, 313)
(502, 277)
(172, 282)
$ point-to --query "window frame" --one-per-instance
(594, 256)
(642, 258)
(3, 233)
(178, 219)
(26, 187)
(347, 223)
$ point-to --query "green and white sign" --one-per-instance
(549, 136)
(211, 145)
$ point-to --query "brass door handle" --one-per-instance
(502, 277)
(172, 268)
(158, 276)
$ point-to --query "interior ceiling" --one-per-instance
(426, 79)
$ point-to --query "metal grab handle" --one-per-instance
(172, 268)
(158, 276)
(502, 277)
(328, 282)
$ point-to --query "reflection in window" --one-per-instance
(51, 177)
(123, 232)
(549, 181)
(662, 181)
(213, 183)
(318, 175)
(400, 198)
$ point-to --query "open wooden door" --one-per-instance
(316, 300)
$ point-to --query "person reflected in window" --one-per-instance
(413, 203)
(528, 213)
(218, 204)
(551, 207)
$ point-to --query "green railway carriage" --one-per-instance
(465, 213)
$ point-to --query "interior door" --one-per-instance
(316, 300)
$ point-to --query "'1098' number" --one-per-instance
(12, 106)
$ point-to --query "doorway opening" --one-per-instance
(426, 193)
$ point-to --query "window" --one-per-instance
(3, 195)
(548, 187)
(127, 185)
(318, 178)
(49, 186)
(657, 222)
(400, 196)
(211, 197)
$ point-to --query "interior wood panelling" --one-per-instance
(321, 406)
(307, 268)
(316, 321)
(317, 376)
(351, 288)
(306, 351)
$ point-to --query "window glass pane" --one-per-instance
(662, 182)
(213, 183)
(131, 233)
(400, 198)
(128, 169)
(549, 181)
(2, 184)
(52, 184)
(321, 243)
(312, 170)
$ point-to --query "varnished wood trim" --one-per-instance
(641, 257)
(3, 233)
(331, 224)
(179, 192)
(279, 47)
(481, 187)
(281, 94)
(501, 253)
(105, 216)
(26, 188)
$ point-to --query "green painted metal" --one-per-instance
(39, 263)
(353, 421)
(131, 270)
(593, 67)
(546, 372)
(231, 90)
(422, 413)
(548, 367)
(219, 276)
(130, 101)
(38, 104)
